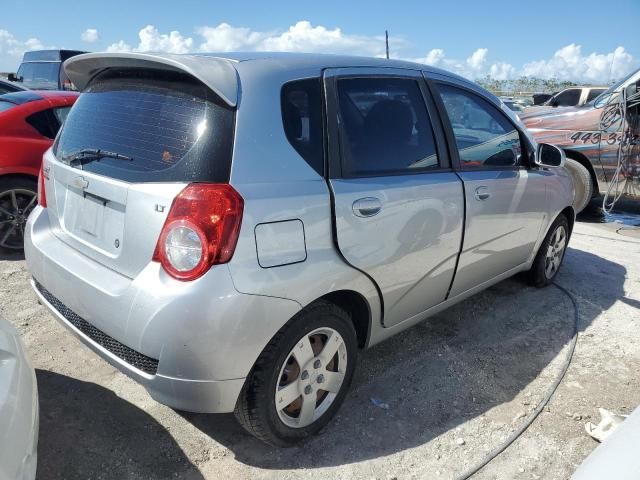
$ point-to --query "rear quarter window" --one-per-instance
(302, 120)
(172, 127)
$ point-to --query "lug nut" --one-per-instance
(316, 364)
(307, 389)
(304, 375)
(320, 379)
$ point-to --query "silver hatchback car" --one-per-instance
(229, 230)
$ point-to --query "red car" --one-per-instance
(29, 121)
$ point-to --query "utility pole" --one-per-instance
(386, 41)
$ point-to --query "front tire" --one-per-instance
(582, 182)
(551, 253)
(301, 378)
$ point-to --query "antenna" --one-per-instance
(386, 41)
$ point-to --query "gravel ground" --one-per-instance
(456, 386)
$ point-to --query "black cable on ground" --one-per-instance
(565, 366)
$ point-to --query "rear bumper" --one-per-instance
(207, 396)
(204, 336)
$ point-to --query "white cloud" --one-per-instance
(12, 49)
(226, 38)
(434, 57)
(304, 37)
(478, 59)
(568, 63)
(151, 40)
(300, 37)
(119, 47)
(502, 71)
(90, 35)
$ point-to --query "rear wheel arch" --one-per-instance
(358, 309)
(18, 176)
(583, 160)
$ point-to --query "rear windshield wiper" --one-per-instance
(87, 155)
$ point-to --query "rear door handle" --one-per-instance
(367, 207)
(482, 193)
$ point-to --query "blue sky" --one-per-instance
(586, 39)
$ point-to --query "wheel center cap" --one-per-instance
(314, 376)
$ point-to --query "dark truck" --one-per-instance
(590, 135)
(42, 70)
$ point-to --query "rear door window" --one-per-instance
(484, 136)
(385, 127)
(172, 128)
(568, 98)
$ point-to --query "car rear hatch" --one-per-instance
(140, 132)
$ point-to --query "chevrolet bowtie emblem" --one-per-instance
(80, 182)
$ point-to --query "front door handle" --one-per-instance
(367, 207)
(482, 193)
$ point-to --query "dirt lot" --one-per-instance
(455, 386)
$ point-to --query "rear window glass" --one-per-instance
(172, 128)
(45, 123)
(6, 105)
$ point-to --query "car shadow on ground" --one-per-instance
(86, 432)
(450, 369)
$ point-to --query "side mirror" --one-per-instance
(550, 156)
(554, 103)
(12, 77)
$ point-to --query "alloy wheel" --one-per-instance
(311, 377)
(15, 207)
(555, 251)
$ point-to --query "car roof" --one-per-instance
(46, 98)
(220, 71)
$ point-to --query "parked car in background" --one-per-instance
(541, 98)
(571, 97)
(18, 408)
(8, 87)
(512, 105)
(591, 150)
(42, 70)
(29, 121)
(227, 261)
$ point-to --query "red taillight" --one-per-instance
(201, 230)
(42, 194)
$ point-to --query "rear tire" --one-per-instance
(582, 182)
(18, 196)
(551, 253)
(283, 402)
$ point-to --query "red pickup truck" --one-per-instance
(591, 144)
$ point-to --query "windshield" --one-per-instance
(40, 75)
(606, 96)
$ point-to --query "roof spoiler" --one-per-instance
(216, 73)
